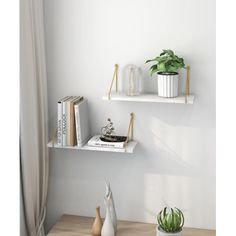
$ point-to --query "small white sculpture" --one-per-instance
(108, 228)
(110, 200)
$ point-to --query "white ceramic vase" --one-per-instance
(110, 200)
(107, 228)
(160, 232)
(167, 84)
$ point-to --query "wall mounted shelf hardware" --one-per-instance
(186, 98)
(129, 145)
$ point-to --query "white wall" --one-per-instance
(175, 159)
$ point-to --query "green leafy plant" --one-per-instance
(170, 221)
(166, 62)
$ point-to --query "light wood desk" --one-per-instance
(69, 225)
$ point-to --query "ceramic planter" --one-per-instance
(160, 232)
(168, 84)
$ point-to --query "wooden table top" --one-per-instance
(70, 225)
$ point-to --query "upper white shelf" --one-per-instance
(149, 97)
(129, 148)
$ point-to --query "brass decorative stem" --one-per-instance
(114, 78)
(130, 129)
(187, 83)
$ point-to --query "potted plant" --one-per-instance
(170, 222)
(166, 66)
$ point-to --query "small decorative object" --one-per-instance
(132, 80)
(108, 228)
(109, 198)
(108, 133)
(108, 139)
(97, 224)
(166, 66)
(170, 222)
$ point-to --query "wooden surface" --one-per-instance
(81, 226)
(148, 97)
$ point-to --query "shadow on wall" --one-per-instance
(179, 174)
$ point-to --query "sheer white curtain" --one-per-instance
(33, 119)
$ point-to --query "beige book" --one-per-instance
(71, 140)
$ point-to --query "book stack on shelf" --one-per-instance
(99, 141)
(72, 121)
(108, 139)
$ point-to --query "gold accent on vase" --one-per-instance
(97, 224)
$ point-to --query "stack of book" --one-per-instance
(72, 121)
(99, 141)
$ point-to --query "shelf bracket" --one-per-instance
(187, 83)
(115, 78)
(130, 132)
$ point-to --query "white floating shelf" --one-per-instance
(129, 149)
(148, 97)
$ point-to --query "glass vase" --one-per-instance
(132, 84)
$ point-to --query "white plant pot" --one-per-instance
(162, 233)
(168, 85)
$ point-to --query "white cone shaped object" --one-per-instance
(107, 228)
(111, 206)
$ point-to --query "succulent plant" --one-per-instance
(170, 220)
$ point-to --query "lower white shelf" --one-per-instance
(149, 97)
(129, 148)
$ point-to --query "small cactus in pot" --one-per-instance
(170, 222)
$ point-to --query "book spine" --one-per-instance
(68, 123)
(59, 123)
(112, 145)
(72, 125)
(64, 123)
(77, 124)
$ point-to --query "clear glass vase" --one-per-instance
(132, 80)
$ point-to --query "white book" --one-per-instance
(64, 121)
(97, 142)
(82, 122)
(59, 121)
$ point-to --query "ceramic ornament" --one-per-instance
(97, 224)
(110, 200)
(108, 228)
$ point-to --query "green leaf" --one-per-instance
(153, 67)
(181, 217)
(154, 71)
(177, 222)
(150, 60)
(165, 217)
(168, 52)
(169, 221)
(162, 224)
(172, 220)
(159, 218)
(161, 67)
